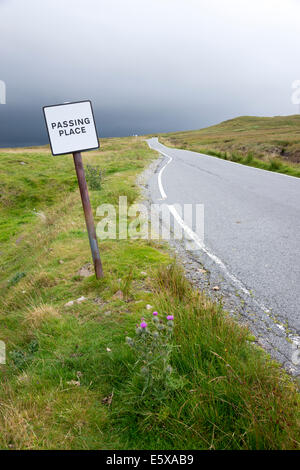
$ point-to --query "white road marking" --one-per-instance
(192, 235)
(202, 247)
(198, 240)
(162, 191)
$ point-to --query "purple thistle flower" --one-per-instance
(143, 324)
(170, 317)
(155, 314)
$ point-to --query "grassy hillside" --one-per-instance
(272, 143)
(71, 381)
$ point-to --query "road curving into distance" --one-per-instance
(251, 238)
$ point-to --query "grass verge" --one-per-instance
(71, 381)
(268, 143)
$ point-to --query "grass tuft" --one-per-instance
(172, 280)
(35, 316)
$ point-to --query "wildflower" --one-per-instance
(143, 324)
(155, 314)
(170, 323)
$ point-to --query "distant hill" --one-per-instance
(262, 138)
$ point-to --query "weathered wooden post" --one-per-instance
(88, 214)
(71, 129)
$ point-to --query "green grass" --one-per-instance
(64, 361)
(267, 143)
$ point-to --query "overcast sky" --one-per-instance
(147, 65)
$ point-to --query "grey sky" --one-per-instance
(147, 65)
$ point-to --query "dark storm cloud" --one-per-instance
(147, 65)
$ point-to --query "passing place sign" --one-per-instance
(71, 127)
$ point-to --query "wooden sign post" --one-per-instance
(71, 129)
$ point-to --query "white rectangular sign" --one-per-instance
(71, 127)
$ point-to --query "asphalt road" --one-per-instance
(251, 234)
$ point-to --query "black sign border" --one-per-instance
(66, 104)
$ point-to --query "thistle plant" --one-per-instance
(153, 348)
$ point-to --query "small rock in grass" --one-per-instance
(78, 301)
(86, 270)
